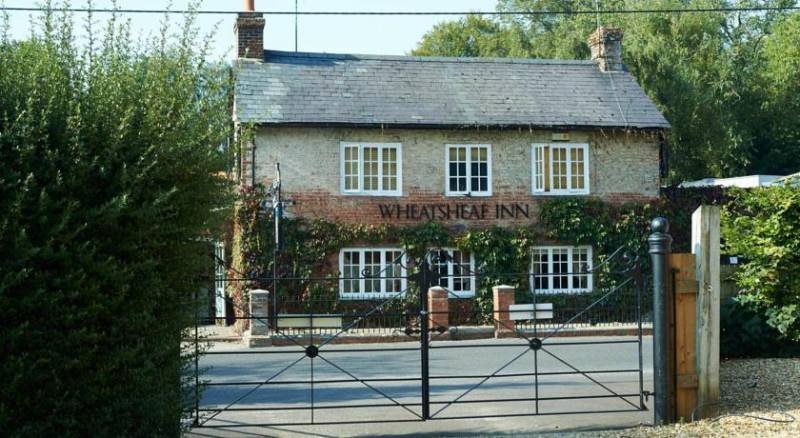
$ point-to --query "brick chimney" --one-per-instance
(606, 46)
(249, 30)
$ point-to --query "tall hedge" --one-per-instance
(109, 191)
(763, 227)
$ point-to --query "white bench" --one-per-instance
(524, 312)
(306, 321)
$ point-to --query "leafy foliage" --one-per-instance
(110, 186)
(744, 333)
(307, 248)
(498, 253)
(763, 227)
(502, 254)
(727, 82)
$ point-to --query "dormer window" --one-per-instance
(469, 170)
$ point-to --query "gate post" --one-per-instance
(503, 298)
(258, 334)
(424, 321)
(660, 245)
(438, 309)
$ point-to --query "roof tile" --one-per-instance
(406, 90)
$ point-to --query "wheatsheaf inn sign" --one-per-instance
(455, 211)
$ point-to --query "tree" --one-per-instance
(109, 190)
(705, 71)
(782, 73)
(473, 36)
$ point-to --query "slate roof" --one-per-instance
(290, 88)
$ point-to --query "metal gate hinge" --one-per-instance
(647, 395)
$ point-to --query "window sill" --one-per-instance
(461, 294)
(545, 194)
(373, 194)
(369, 295)
(562, 291)
(467, 195)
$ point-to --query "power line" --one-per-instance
(415, 13)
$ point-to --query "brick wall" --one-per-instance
(623, 167)
(249, 31)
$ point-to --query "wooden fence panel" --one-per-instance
(683, 285)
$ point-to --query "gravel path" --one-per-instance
(757, 387)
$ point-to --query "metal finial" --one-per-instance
(659, 225)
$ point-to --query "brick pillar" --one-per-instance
(259, 308)
(438, 308)
(503, 298)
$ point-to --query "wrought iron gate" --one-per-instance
(422, 370)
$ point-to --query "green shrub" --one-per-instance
(109, 187)
(763, 227)
(745, 333)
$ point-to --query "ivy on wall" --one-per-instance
(501, 251)
(502, 254)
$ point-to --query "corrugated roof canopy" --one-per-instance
(358, 90)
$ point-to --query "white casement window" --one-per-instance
(560, 168)
(371, 169)
(371, 273)
(561, 269)
(469, 169)
(219, 279)
(456, 269)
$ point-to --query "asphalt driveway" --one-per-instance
(458, 371)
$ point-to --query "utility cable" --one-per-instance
(414, 13)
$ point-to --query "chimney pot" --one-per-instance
(606, 46)
(250, 5)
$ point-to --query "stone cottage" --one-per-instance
(467, 143)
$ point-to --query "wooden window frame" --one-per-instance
(451, 276)
(468, 192)
(542, 179)
(398, 147)
(384, 292)
(570, 270)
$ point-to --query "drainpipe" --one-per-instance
(253, 163)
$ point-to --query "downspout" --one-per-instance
(663, 156)
(253, 163)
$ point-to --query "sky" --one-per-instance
(395, 35)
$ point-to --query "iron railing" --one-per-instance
(404, 315)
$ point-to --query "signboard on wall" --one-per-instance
(455, 211)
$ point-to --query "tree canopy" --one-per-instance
(728, 82)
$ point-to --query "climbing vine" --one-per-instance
(502, 255)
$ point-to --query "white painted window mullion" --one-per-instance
(550, 166)
(360, 167)
(550, 271)
(469, 168)
(362, 260)
(568, 158)
(450, 270)
(381, 148)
